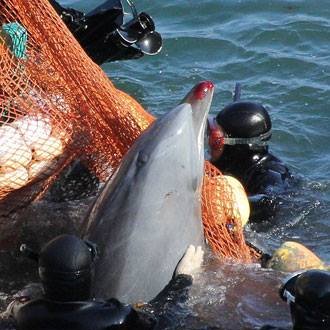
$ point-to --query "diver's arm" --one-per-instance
(268, 176)
(177, 289)
(93, 31)
(263, 207)
(265, 186)
(167, 301)
(142, 316)
(74, 19)
(57, 6)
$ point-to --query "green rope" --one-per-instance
(18, 36)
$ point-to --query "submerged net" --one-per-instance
(56, 105)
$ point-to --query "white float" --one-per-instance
(13, 150)
(240, 199)
(34, 129)
(11, 178)
(41, 169)
(47, 149)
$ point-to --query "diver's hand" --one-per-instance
(191, 261)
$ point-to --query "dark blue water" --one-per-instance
(280, 52)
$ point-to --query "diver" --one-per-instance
(308, 295)
(66, 266)
(238, 143)
(106, 36)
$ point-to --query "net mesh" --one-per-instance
(56, 105)
(221, 215)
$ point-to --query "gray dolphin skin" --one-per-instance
(150, 211)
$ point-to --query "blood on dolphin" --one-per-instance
(201, 90)
(149, 212)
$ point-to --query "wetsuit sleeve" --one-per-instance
(74, 19)
(263, 207)
(175, 291)
(167, 303)
(139, 320)
(56, 6)
(265, 185)
(270, 176)
(93, 30)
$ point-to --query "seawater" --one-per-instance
(280, 53)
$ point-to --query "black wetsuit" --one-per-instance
(94, 29)
(263, 176)
(42, 314)
(97, 315)
(306, 319)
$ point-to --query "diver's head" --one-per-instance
(308, 294)
(66, 267)
(239, 128)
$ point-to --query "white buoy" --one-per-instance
(47, 149)
(13, 150)
(34, 129)
(11, 179)
(240, 199)
(41, 169)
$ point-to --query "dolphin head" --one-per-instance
(200, 98)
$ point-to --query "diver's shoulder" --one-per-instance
(273, 162)
(99, 314)
(44, 306)
(272, 167)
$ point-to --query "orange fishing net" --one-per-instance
(54, 108)
(220, 214)
(56, 105)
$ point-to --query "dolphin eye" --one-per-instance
(142, 159)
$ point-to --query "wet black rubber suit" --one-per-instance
(95, 31)
(66, 269)
(308, 295)
(247, 127)
(264, 177)
(48, 314)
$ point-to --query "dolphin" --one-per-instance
(150, 210)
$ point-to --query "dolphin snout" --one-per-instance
(202, 89)
(199, 93)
